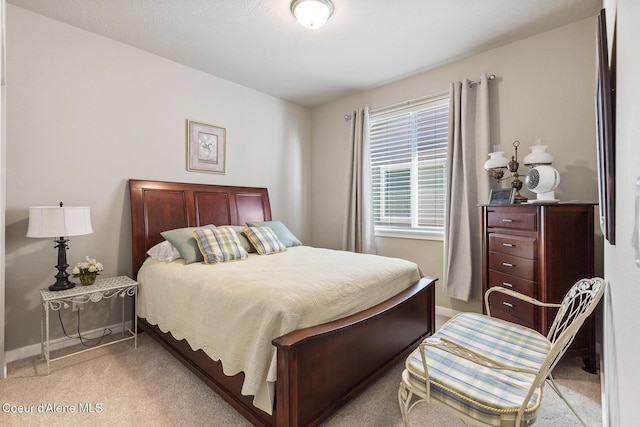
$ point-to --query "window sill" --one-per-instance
(411, 234)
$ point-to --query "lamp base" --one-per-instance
(62, 278)
(519, 198)
(62, 285)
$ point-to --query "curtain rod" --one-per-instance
(477, 82)
(402, 104)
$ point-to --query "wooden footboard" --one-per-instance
(322, 367)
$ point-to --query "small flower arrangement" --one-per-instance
(87, 271)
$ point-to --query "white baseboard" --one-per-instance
(446, 312)
(58, 343)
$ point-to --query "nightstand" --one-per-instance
(110, 287)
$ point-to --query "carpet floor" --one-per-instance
(122, 386)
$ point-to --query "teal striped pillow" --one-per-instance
(220, 244)
(264, 240)
(185, 243)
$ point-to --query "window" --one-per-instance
(408, 168)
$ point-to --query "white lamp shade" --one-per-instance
(496, 160)
(55, 221)
(538, 156)
(312, 14)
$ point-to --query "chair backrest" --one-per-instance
(577, 305)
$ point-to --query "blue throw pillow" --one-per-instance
(185, 243)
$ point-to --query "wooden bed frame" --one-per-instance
(319, 368)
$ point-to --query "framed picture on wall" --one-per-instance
(206, 147)
(502, 196)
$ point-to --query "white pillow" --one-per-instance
(164, 251)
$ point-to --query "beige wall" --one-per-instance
(621, 314)
(544, 88)
(86, 113)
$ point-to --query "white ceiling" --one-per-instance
(366, 43)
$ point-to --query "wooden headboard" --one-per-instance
(158, 206)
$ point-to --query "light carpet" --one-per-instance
(122, 386)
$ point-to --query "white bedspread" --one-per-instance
(234, 310)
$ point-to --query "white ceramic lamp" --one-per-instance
(538, 156)
(496, 160)
(497, 164)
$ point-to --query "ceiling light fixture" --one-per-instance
(312, 14)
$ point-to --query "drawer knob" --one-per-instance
(509, 245)
(506, 264)
(507, 220)
(508, 285)
(508, 304)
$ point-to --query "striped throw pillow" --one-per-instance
(264, 240)
(220, 244)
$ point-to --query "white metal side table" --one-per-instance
(110, 287)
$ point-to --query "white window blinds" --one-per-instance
(408, 161)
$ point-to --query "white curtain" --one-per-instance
(359, 236)
(467, 186)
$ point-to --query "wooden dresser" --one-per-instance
(539, 250)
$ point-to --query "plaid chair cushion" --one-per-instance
(220, 244)
(490, 395)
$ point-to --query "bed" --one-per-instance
(318, 367)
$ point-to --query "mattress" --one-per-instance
(232, 311)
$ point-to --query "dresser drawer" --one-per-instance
(512, 309)
(513, 266)
(524, 247)
(526, 287)
(509, 317)
(510, 219)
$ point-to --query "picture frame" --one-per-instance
(206, 147)
(605, 130)
(502, 196)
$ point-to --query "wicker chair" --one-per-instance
(490, 372)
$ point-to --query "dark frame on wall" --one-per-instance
(605, 128)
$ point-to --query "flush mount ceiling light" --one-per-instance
(312, 14)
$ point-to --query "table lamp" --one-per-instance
(498, 164)
(59, 222)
